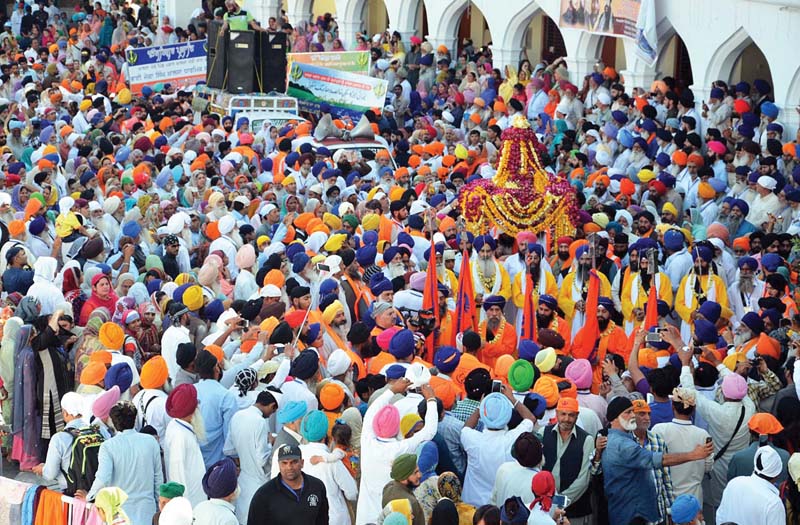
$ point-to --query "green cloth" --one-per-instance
(403, 466)
(171, 490)
(239, 21)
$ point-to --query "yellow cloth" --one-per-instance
(565, 301)
(685, 312)
(111, 336)
(664, 294)
(67, 224)
(521, 281)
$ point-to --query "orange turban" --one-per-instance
(154, 373)
(275, 277)
(414, 161)
(33, 206)
(100, 356)
(768, 346)
(446, 223)
(448, 160)
(16, 227)
(331, 396)
(679, 158)
(696, 159)
(568, 404)
(743, 243)
(764, 424)
(93, 373)
(502, 366)
(475, 118)
(216, 351)
(547, 388)
(706, 191)
(111, 336)
(627, 187)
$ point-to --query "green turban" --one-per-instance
(171, 490)
(404, 466)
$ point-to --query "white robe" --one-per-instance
(183, 460)
(377, 456)
(339, 484)
(251, 443)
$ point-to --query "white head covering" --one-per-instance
(177, 511)
(767, 462)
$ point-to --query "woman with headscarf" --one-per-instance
(89, 342)
(445, 513)
(449, 487)
(108, 502)
(102, 296)
(427, 492)
(26, 428)
(149, 337)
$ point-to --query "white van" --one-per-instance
(276, 108)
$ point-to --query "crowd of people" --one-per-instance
(207, 323)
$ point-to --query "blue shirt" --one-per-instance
(660, 412)
(628, 472)
(217, 405)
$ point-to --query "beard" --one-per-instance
(396, 270)
(186, 235)
(487, 267)
(603, 323)
(543, 321)
(629, 425)
(583, 272)
(642, 229)
(733, 223)
(493, 323)
(636, 156)
(634, 266)
(742, 337)
(621, 253)
(198, 425)
(563, 256)
(440, 269)
(746, 284)
(699, 269)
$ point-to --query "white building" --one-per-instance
(699, 41)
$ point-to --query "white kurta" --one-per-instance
(173, 336)
(250, 442)
(183, 459)
(378, 454)
(214, 512)
(339, 484)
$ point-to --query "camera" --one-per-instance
(653, 337)
(497, 386)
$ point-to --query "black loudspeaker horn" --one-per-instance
(271, 62)
(216, 59)
(241, 56)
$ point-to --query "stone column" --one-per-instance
(504, 57)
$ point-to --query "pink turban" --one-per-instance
(386, 336)
(734, 387)
(246, 256)
(207, 274)
(526, 237)
(387, 422)
(580, 372)
(224, 167)
(719, 231)
(103, 402)
(245, 139)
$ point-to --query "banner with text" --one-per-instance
(610, 17)
(178, 64)
(350, 61)
(347, 93)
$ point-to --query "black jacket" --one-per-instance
(275, 504)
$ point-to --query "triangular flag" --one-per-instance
(465, 300)
(586, 340)
(651, 310)
(430, 297)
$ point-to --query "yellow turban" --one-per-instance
(268, 325)
(408, 421)
(111, 336)
(396, 193)
(706, 191)
(93, 373)
(85, 104)
(461, 152)
(371, 222)
(335, 242)
(124, 96)
(331, 311)
(183, 278)
(193, 298)
(332, 221)
(733, 359)
(154, 373)
(288, 180)
(668, 207)
(646, 175)
(262, 240)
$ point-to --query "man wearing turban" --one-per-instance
(220, 485)
(746, 290)
(499, 338)
(150, 401)
(637, 281)
(575, 286)
(542, 281)
(701, 284)
(488, 276)
(182, 456)
(406, 477)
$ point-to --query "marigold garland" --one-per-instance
(522, 196)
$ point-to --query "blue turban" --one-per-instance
(742, 205)
(528, 350)
(482, 240)
(291, 159)
(427, 459)
(446, 359)
(131, 229)
(395, 372)
(460, 237)
(291, 411)
(494, 300)
(770, 109)
(122, 154)
(771, 261)
(314, 426)
(293, 249)
(495, 411)
(619, 116)
(153, 286)
(536, 403)
(266, 164)
(299, 262)
(754, 322)
(402, 344)
(379, 284)
(366, 255)
(305, 365)
(606, 303)
(404, 238)
(663, 160)
(711, 311)
(213, 310)
(390, 253)
(120, 375)
(243, 121)
(749, 262)
(548, 300)
(582, 249)
(673, 240)
(370, 237)
(437, 199)
(177, 294)
(702, 252)
(771, 314)
(684, 509)
(328, 286)
(438, 248)
(705, 331)
(313, 333)
(221, 479)
(415, 222)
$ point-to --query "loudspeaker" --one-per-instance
(216, 58)
(241, 55)
(271, 62)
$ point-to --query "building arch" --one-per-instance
(726, 56)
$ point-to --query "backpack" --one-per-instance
(84, 460)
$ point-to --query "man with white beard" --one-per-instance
(40, 238)
(793, 199)
(182, 456)
(393, 259)
(488, 276)
(716, 114)
(638, 158)
(746, 335)
(766, 202)
(736, 223)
